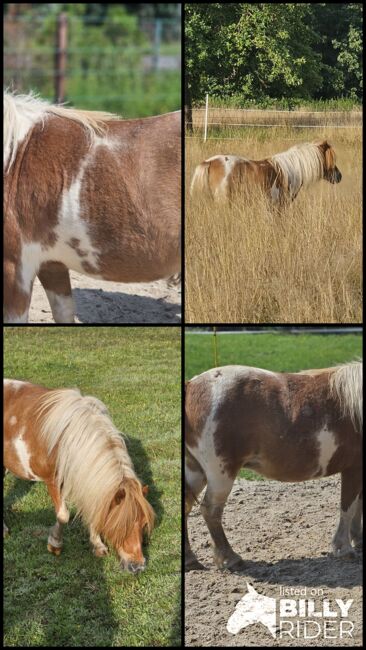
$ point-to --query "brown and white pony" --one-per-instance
(280, 177)
(69, 442)
(285, 426)
(86, 191)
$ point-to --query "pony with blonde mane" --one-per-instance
(285, 426)
(69, 441)
(90, 192)
(280, 177)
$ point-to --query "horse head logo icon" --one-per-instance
(253, 608)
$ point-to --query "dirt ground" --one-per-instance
(283, 531)
(97, 301)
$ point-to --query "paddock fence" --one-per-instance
(207, 123)
(101, 66)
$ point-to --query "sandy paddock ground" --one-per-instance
(113, 302)
(283, 531)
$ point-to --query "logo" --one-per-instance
(304, 618)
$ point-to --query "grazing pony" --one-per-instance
(86, 191)
(280, 177)
(285, 426)
(69, 442)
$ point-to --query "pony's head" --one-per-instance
(331, 171)
(128, 517)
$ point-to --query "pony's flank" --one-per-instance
(346, 384)
(22, 112)
(91, 456)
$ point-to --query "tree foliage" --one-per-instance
(268, 50)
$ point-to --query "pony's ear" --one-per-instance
(120, 495)
(145, 490)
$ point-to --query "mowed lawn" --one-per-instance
(77, 599)
(272, 351)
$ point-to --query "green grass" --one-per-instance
(77, 599)
(272, 351)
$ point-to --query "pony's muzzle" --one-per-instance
(334, 176)
(133, 567)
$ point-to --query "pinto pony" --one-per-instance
(280, 177)
(86, 191)
(69, 442)
(285, 426)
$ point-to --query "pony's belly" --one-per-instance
(292, 470)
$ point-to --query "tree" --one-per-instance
(268, 50)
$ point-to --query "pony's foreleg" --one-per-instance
(99, 549)
(55, 542)
(55, 280)
(350, 512)
(212, 508)
(17, 293)
(195, 481)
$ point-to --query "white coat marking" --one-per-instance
(24, 455)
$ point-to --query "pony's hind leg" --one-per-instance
(195, 481)
(350, 519)
(54, 543)
(55, 280)
(212, 506)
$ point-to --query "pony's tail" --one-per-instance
(200, 181)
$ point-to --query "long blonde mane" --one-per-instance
(346, 384)
(92, 462)
(22, 112)
(300, 166)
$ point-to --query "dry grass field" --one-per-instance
(245, 263)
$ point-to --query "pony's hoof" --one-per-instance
(53, 549)
(346, 554)
(192, 564)
(100, 551)
(232, 564)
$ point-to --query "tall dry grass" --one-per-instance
(247, 264)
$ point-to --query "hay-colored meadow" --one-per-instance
(247, 264)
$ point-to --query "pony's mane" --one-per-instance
(346, 384)
(22, 112)
(300, 166)
(92, 461)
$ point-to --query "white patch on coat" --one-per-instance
(72, 226)
(13, 420)
(30, 261)
(327, 448)
(24, 456)
(15, 383)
